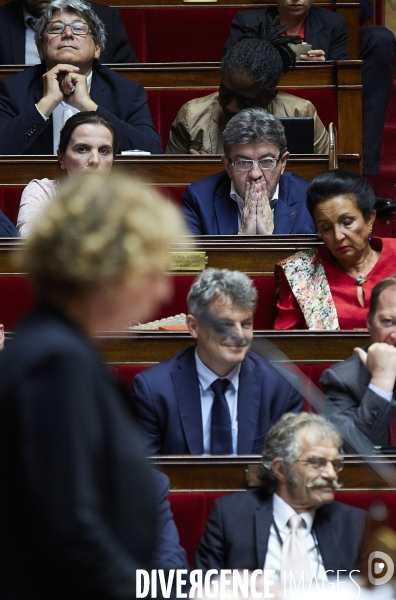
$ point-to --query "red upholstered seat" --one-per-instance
(178, 34)
(191, 511)
(9, 201)
(16, 299)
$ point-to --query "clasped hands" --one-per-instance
(380, 361)
(257, 216)
(65, 83)
(313, 55)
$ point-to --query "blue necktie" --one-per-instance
(220, 431)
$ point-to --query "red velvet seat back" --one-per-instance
(16, 299)
(191, 511)
(9, 201)
(178, 33)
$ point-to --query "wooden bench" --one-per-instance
(200, 28)
(333, 87)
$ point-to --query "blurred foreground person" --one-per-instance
(78, 502)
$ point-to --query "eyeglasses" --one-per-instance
(58, 27)
(319, 464)
(265, 164)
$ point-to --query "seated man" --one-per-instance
(328, 33)
(216, 397)
(361, 388)
(250, 72)
(36, 103)
(254, 195)
(301, 461)
(18, 20)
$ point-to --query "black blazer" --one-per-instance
(24, 131)
(237, 532)
(324, 29)
(77, 503)
(168, 406)
(12, 35)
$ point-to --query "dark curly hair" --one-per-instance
(263, 53)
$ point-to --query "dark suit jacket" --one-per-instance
(209, 210)
(168, 406)
(237, 532)
(7, 229)
(324, 29)
(349, 403)
(24, 131)
(78, 504)
(12, 35)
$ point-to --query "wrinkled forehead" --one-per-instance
(312, 440)
(67, 15)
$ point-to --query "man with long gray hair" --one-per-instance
(216, 397)
(254, 195)
(291, 524)
(35, 104)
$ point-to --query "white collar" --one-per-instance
(282, 511)
(207, 377)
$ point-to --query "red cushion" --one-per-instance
(10, 198)
(189, 512)
(265, 314)
(126, 374)
(325, 102)
(366, 499)
(178, 34)
(16, 299)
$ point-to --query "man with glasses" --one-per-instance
(35, 104)
(18, 20)
(360, 390)
(291, 524)
(254, 196)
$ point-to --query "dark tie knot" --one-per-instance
(220, 385)
(32, 22)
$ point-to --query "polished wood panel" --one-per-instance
(297, 346)
(218, 474)
(169, 170)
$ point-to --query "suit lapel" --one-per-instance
(226, 210)
(99, 91)
(263, 518)
(328, 545)
(285, 210)
(185, 381)
(315, 32)
(249, 400)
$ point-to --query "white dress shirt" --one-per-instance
(31, 52)
(281, 514)
(206, 377)
(241, 202)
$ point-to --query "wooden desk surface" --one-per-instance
(174, 170)
(218, 474)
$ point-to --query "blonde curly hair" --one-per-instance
(100, 227)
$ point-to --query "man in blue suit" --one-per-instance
(35, 104)
(254, 196)
(216, 398)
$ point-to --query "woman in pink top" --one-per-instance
(88, 142)
(330, 287)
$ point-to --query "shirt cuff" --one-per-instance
(39, 111)
(385, 395)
